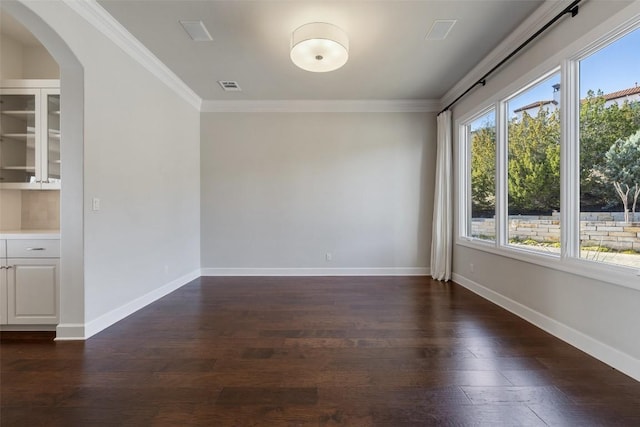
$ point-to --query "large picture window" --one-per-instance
(610, 153)
(481, 136)
(552, 173)
(533, 167)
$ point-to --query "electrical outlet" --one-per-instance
(471, 268)
(328, 256)
(95, 204)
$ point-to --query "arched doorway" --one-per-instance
(72, 317)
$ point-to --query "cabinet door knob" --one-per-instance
(35, 249)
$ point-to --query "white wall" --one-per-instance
(280, 190)
(141, 158)
(37, 63)
(10, 213)
(599, 317)
(18, 61)
(10, 58)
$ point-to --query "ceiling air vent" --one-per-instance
(196, 30)
(229, 86)
(440, 29)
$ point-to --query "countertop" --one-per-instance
(30, 234)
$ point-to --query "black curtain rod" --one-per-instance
(572, 9)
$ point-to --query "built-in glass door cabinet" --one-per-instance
(52, 131)
(30, 136)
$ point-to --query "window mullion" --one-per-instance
(570, 160)
(502, 191)
(465, 196)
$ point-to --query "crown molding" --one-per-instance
(322, 106)
(99, 18)
(542, 15)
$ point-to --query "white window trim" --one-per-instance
(502, 167)
(570, 161)
(502, 182)
(465, 168)
(569, 260)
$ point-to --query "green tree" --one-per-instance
(483, 170)
(534, 162)
(622, 167)
(600, 127)
(534, 157)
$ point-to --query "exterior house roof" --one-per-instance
(534, 105)
(607, 96)
(622, 93)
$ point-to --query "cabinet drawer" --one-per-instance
(25, 248)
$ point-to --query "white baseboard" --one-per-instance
(386, 271)
(70, 332)
(82, 332)
(601, 351)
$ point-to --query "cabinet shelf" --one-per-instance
(19, 113)
(18, 168)
(19, 136)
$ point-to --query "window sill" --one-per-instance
(621, 276)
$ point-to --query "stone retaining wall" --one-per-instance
(596, 229)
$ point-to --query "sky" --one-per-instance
(612, 68)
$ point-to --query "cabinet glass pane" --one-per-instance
(53, 137)
(17, 138)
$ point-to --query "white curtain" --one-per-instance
(441, 236)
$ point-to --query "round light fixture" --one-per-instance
(319, 47)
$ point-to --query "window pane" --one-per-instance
(482, 137)
(610, 153)
(533, 175)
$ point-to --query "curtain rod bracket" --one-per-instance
(574, 11)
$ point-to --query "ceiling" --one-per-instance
(389, 58)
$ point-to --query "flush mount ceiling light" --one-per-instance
(319, 47)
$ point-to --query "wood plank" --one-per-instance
(351, 351)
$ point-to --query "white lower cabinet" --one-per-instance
(29, 282)
(32, 291)
(3, 290)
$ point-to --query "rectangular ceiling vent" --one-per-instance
(440, 29)
(196, 30)
(229, 85)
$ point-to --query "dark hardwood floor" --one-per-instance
(351, 351)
